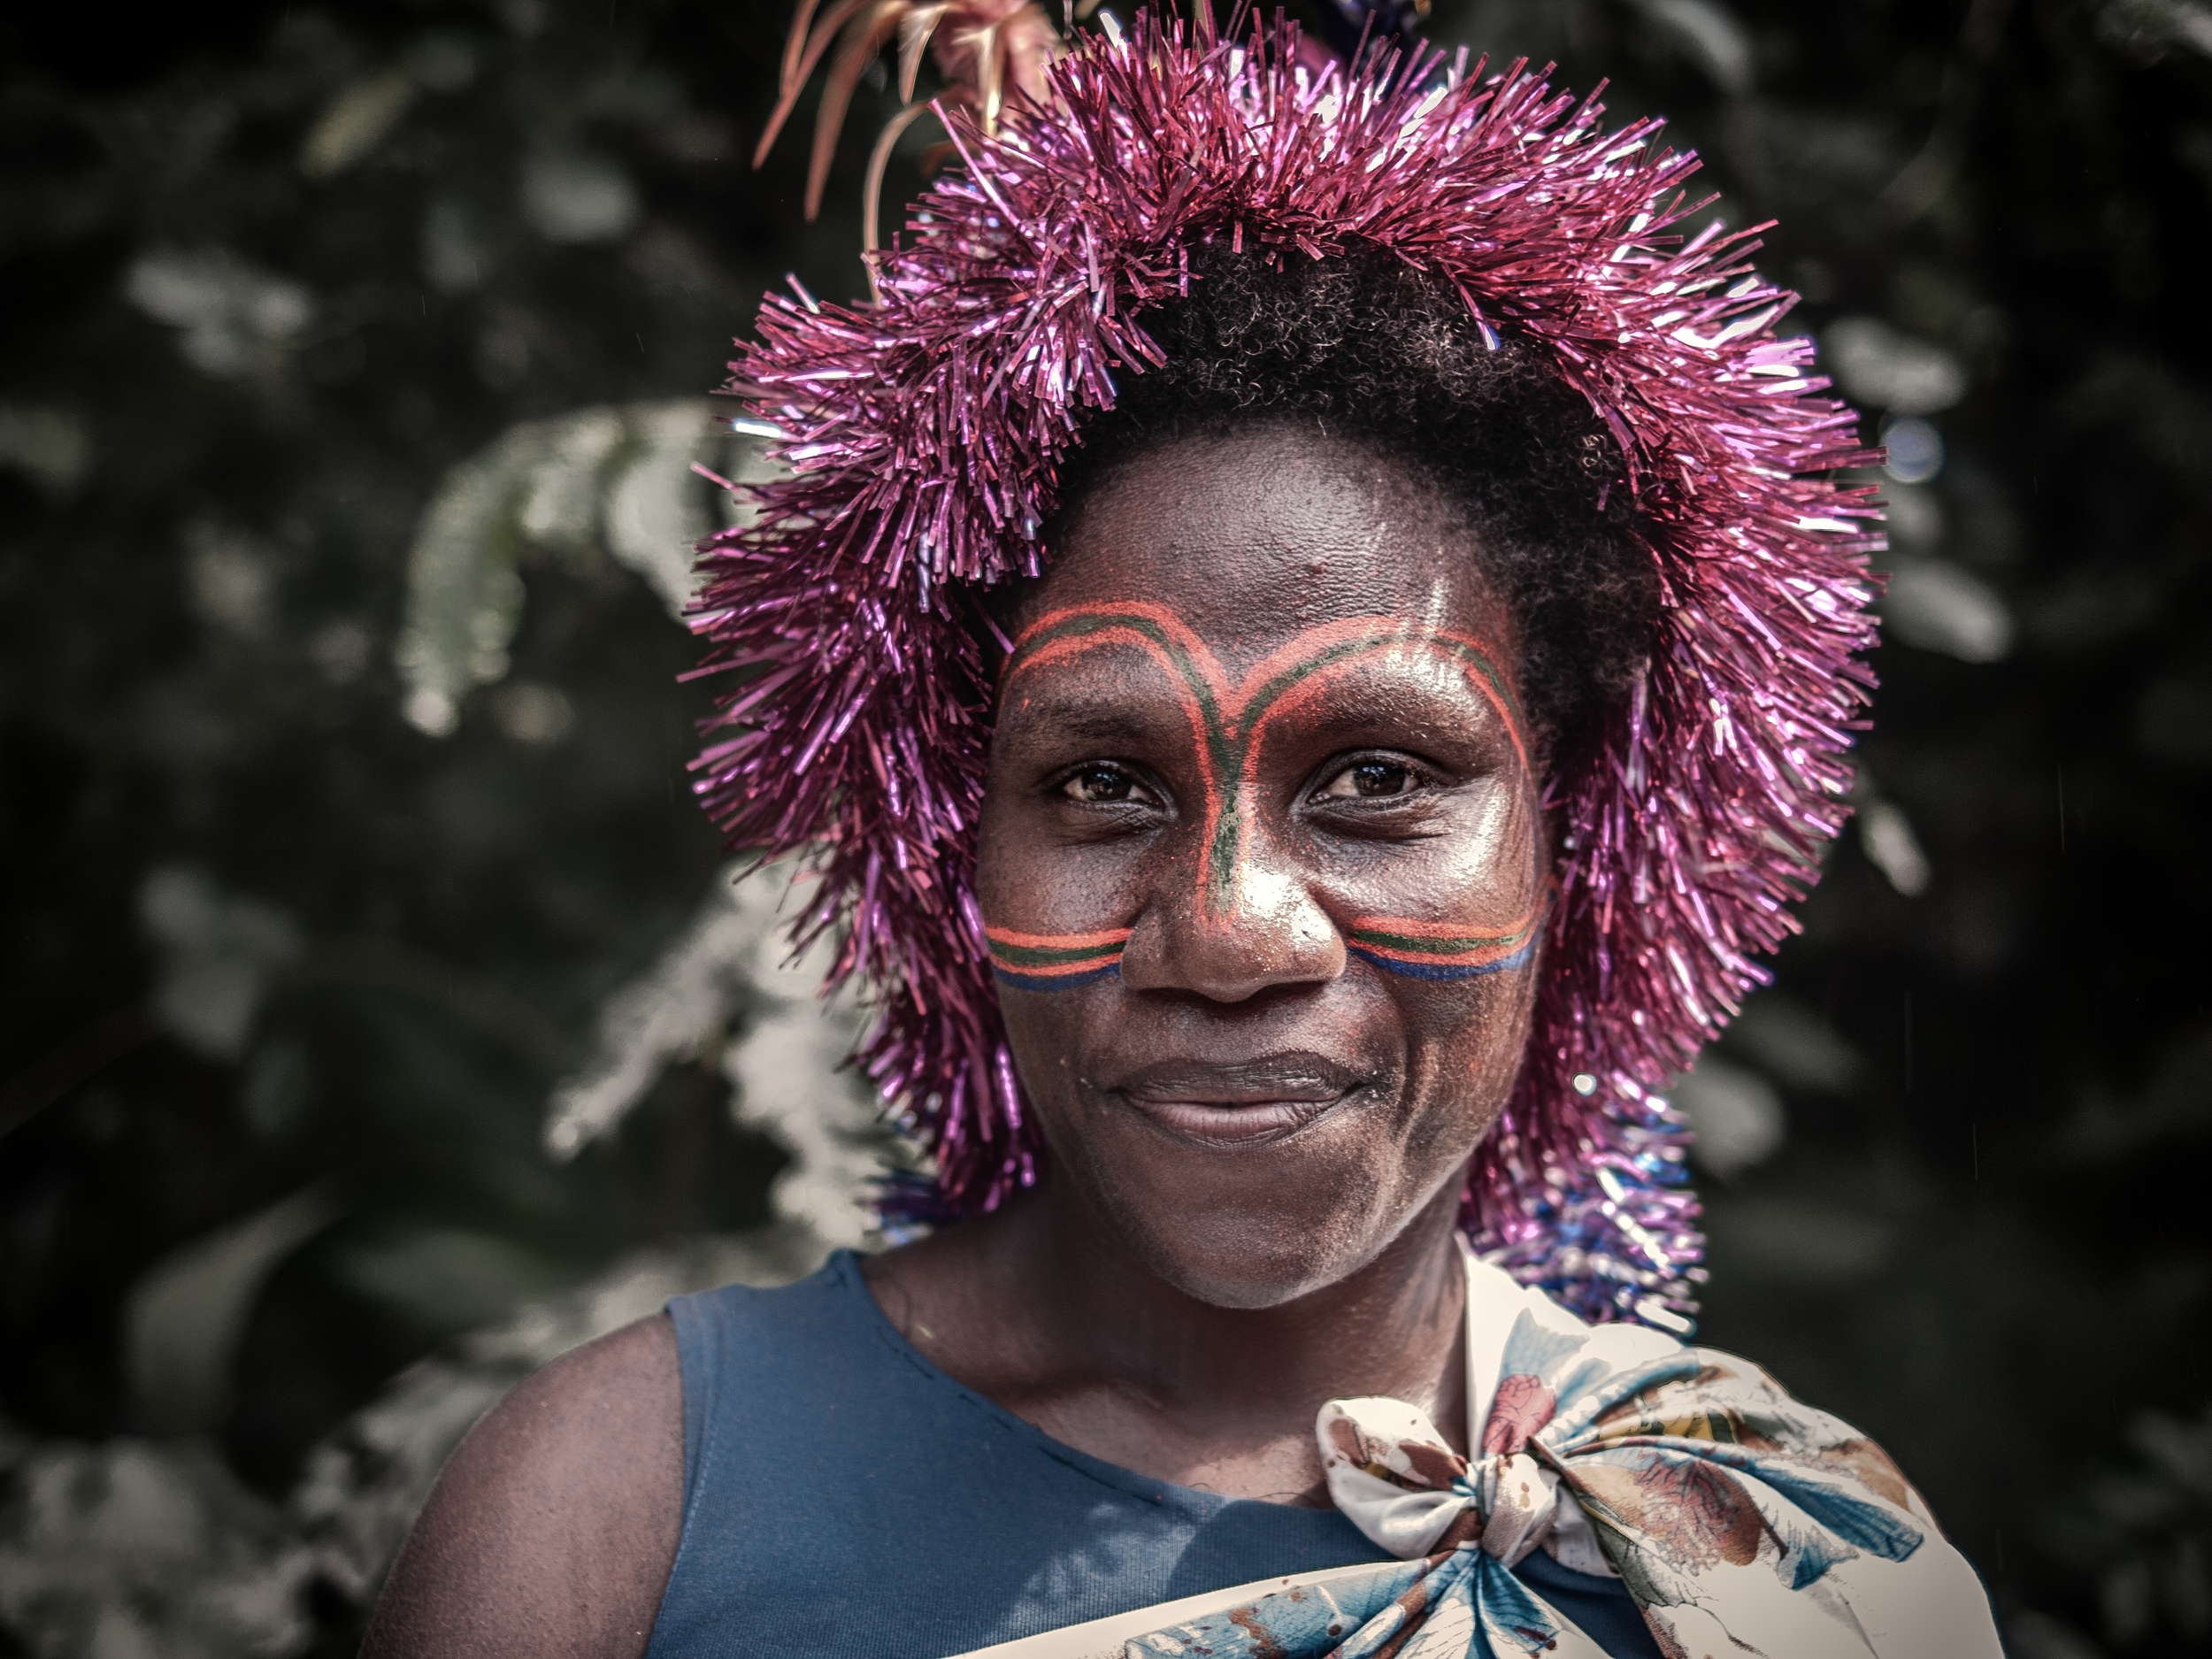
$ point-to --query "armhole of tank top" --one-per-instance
(698, 1355)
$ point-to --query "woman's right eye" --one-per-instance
(1102, 786)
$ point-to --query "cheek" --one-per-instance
(1055, 946)
(1464, 1041)
(1049, 928)
(1463, 972)
(1048, 1031)
(1455, 937)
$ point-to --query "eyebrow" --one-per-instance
(1376, 718)
(1365, 707)
(1086, 718)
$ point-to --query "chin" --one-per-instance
(1253, 1250)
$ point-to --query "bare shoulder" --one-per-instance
(552, 1530)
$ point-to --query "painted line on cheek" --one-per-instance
(1441, 951)
(1053, 962)
(1421, 968)
(1016, 981)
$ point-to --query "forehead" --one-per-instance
(1259, 534)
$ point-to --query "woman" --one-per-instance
(1307, 649)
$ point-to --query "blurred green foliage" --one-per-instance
(354, 356)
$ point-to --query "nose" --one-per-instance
(1263, 926)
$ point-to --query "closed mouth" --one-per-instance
(1243, 1125)
(1244, 1104)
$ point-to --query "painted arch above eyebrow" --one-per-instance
(1220, 710)
(1225, 721)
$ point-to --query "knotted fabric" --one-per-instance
(1742, 1522)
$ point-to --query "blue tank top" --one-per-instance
(845, 1499)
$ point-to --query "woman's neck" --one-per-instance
(1041, 1308)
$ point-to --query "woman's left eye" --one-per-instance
(1370, 779)
(1102, 786)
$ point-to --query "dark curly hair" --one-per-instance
(1389, 358)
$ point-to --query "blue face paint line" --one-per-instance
(1418, 970)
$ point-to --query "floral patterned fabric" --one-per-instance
(1743, 1522)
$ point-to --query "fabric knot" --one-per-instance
(1392, 1474)
(1741, 1521)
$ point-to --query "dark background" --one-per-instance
(290, 976)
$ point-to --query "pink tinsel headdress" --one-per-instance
(925, 436)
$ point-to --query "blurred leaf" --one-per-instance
(445, 1279)
(1795, 1043)
(138, 1547)
(218, 950)
(1801, 1242)
(557, 486)
(1735, 1115)
(183, 1319)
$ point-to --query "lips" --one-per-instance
(1240, 1104)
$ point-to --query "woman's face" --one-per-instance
(1262, 862)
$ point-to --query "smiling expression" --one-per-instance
(1260, 859)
